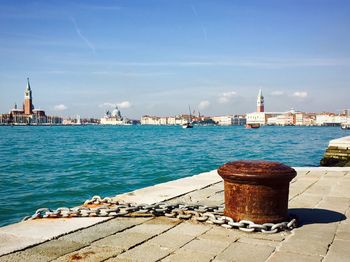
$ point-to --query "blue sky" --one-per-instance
(159, 56)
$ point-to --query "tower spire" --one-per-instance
(260, 102)
(28, 84)
(28, 104)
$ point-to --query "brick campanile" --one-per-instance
(260, 102)
(28, 104)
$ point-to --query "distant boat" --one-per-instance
(252, 126)
(345, 126)
(187, 125)
(189, 122)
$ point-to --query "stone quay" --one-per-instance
(337, 153)
(319, 196)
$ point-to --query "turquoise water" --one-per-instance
(43, 166)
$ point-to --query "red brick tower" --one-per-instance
(28, 104)
(260, 102)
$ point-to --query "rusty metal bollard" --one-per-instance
(256, 190)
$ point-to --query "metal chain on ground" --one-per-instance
(107, 207)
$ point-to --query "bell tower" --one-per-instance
(260, 102)
(28, 104)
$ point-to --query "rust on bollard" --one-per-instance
(256, 190)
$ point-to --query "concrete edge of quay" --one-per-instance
(337, 153)
(26, 234)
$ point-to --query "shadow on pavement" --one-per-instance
(316, 215)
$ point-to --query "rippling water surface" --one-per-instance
(64, 165)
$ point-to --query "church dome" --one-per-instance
(116, 113)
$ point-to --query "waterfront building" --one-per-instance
(114, 118)
(239, 120)
(171, 120)
(286, 119)
(163, 120)
(69, 122)
(28, 115)
(305, 119)
(229, 120)
(150, 120)
(331, 119)
(223, 120)
(268, 118)
(293, 117)
(258, 118)
(75, 121)
(201, 120)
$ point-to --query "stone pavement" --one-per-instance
(319, 196)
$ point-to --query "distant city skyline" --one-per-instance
(157, 57)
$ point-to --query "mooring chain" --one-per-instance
(107, 207)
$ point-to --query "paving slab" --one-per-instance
(316, 173)
(339, 251)
(254, 241)
(123, 240)
(244, 252)
(292, 257)
(171, 240)
(184, 255)
(342, 235)
(305, 200)
(10, 242)
(103, 230)
(314, 247)
(191, 229)
(344, 227)
(33, 232)
(146, 253)
(45, 252)
(220, 234)
(210, 246)
(91, 254)
(166, 191)
(301, 185)
(335, 174)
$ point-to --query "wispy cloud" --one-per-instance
(55, 72)
(226, 97)
(195, 13)
(203, 104)
(132, 74)
(60, 107)
(300, 94)
(101, 7)
(277, 93)
(107, 105)
(265, 63)
(82, 37)
(123, 105)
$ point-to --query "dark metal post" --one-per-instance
(256, 190)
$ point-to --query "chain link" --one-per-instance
(107, 207)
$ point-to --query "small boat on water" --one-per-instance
(345, 126)
(252, 126)
(189, 122)
(187, 125)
